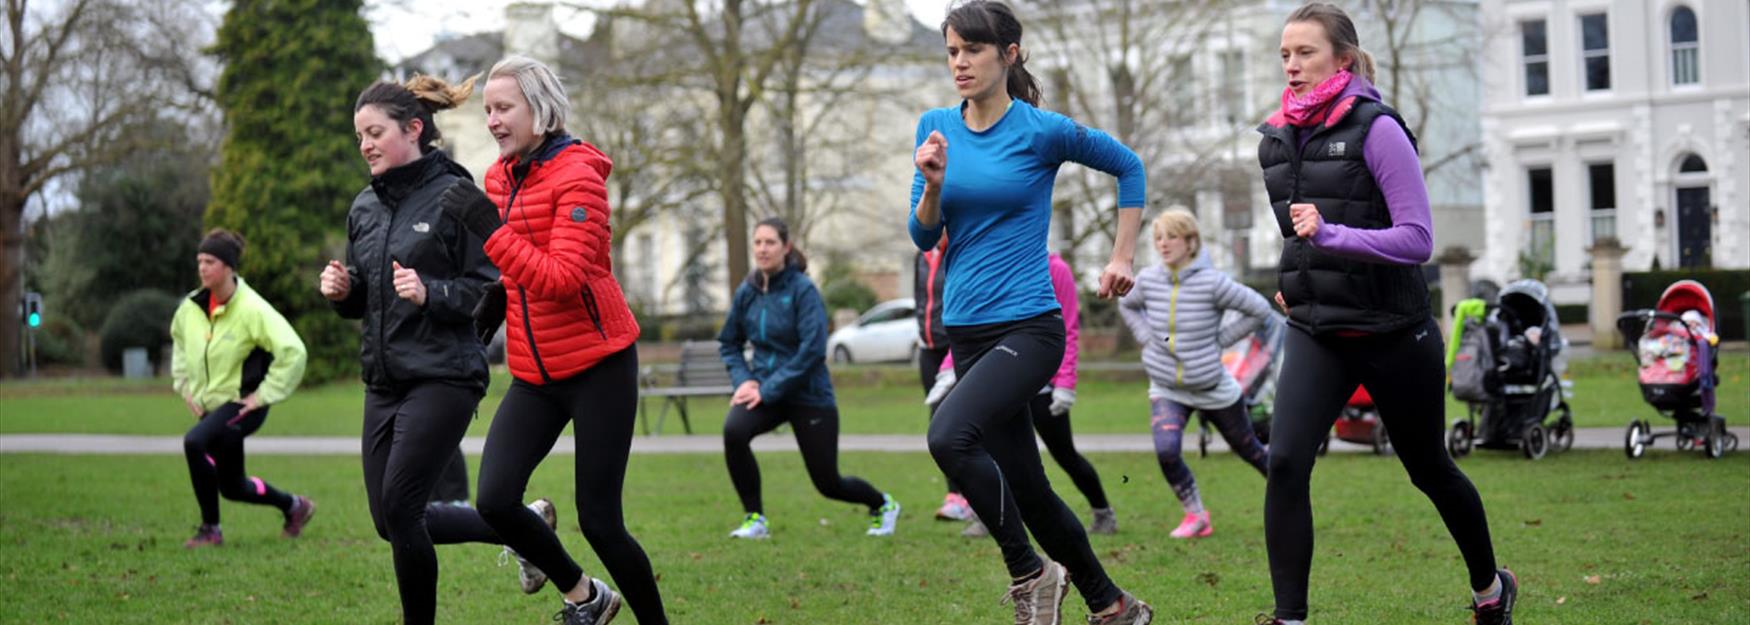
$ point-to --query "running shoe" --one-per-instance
(297, 517)
(1039, 601)
(1194, 525)
(881, 523)
(1105, 521)
(752, 527)
(1265, 619)
(954, 508)
(975, 529)
(205, 536)
(597, 611)
(529, 576)
(1499, 611)
(1130, 612)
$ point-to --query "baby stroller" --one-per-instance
(1254, 362)
(1359, 423)
(1673, 344)
(1507, 371)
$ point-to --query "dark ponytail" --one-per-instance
(793, 259)
(993, 22)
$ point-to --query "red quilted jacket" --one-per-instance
(565, 311)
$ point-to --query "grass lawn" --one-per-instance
(871, 401)
(1594, 539)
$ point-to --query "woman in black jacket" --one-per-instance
(414, 274)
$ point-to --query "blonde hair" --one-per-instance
(1176, 221)
(418, 98)
(541, 87)
(1340, 30)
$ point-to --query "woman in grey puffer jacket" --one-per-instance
(1175, 311)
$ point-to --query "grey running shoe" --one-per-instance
(1130, 612)
(975, 528)
(529, 576)
(596, 611)
(1105, 521)
(1039, 601)
(1500, 610)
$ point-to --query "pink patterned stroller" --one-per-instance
(1674, 345)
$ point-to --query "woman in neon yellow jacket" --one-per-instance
(233, 357)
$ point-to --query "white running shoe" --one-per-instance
(881, 523)
(752, 527)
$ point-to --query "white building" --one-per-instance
(1214, 75)
(1624, 118)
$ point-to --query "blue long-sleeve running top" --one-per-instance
(996, 200)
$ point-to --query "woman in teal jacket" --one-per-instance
(233, 357)
(781, 313)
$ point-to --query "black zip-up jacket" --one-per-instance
(398, 218)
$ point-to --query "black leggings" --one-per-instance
(1404, 371)
(452, 486)
(410, 434)
(1055, 431)
(214, 449)
(817, 434)
(602, 404)
(982, 436)
(930, 364)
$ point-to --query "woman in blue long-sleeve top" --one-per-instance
(985, 170)
(780, 312)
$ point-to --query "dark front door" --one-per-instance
(1694, 234)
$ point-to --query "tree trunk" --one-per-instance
(11, 275)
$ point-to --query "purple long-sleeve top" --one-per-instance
(1398, 172)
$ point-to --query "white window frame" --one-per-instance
(1587, 55)
(1525, 60)
(1693, 48)
(1535, 219)
(1594, 213)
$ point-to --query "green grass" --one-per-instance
(1594, 538)
(871, 401)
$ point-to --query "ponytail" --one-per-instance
(1363, 64)
(418, 98)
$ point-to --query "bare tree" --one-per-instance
(1413, 60)
(78, 76)
(1129, 67)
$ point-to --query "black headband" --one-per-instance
(223, 247)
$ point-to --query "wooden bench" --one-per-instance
(700, 374)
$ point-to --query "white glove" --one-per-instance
(944, 381)
(1061, 400)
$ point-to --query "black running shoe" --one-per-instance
(1500, 610)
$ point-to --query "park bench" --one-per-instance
(700, 373)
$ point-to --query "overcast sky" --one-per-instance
(405, 27)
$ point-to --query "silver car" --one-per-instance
(886, 333)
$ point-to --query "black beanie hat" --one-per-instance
(224, 245)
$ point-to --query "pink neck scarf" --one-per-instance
(1310, 109)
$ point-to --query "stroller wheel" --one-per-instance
(1458, 441)
(1562, 437)
(1716, 437)
(1635, 444)
(1685, 440)
(1534, 442)
(1381, 440)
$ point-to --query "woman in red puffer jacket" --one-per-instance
(570, 343)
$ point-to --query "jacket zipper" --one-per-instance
(1303, 263)
(1173, 330)
(522, 294)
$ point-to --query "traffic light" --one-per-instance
(33, 310)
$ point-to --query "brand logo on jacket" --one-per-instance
(422, 227)
(1339, 148)
(579, 215)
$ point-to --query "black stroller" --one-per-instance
(1508, 372)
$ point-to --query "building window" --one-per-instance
(1685, 48)
(1595, 50)
(1182, 92)
(1535, 49)
(1601, 179)
(1692, 164)
(1541, 192)
(1233, 87)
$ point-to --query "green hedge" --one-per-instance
(1642, 290)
